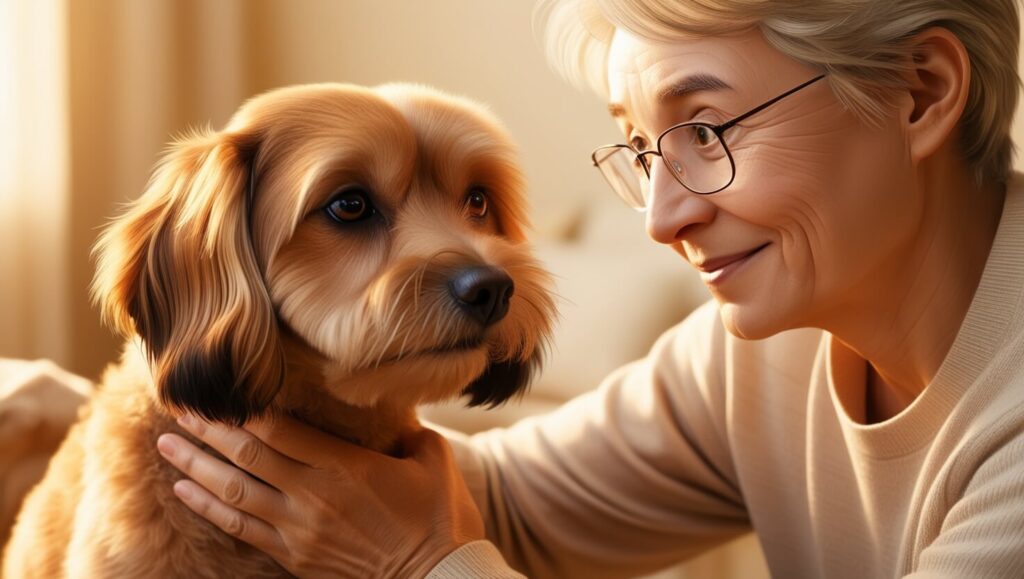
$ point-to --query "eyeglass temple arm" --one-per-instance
(593, 155)
(721, 128)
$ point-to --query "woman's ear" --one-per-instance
(939, 83)
(178, 268)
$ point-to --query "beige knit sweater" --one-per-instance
(710, 436)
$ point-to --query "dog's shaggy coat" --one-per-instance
(337, 253)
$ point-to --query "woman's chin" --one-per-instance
(751, 321)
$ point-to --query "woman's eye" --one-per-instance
(638, 144)
(476, 202)
(703, 136)
(350, 206)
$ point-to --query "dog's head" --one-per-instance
(380, 231)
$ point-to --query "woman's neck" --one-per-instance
(905, 319)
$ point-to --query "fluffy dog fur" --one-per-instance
(241, 294)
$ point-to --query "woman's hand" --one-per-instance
(322, 506)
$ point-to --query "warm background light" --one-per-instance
(35, 252)
(92, 90)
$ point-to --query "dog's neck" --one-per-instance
(305, 396)
(377, 428)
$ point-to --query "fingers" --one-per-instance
(244, 450)
(231, 485)
(308, 445)
(230, 520)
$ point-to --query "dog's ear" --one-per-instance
(179, 268)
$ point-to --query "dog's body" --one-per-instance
(106, 508)
(336, 253)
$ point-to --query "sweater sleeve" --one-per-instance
(624, 480)
(472, 560)
(982, 534)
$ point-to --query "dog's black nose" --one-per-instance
(483, 293)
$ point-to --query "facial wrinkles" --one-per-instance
(648, 116)
(795, 133)
(633, 66)
(787, 136)
(655, 78)
(807, 228)
(787, 133)
(792, 218)
(797, 145)
(790, 209)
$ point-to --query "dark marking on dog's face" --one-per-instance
(502, 382)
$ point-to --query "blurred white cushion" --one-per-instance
(614, 303)
(38, 403)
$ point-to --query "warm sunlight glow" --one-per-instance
(34, 171)
(8, 111)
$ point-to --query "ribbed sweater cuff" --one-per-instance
(476, 559)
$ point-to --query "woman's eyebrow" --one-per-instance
(680, 88)
(691, 84)
(616, 110)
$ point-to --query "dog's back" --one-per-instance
(106, 507)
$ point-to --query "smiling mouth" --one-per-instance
(714, 265)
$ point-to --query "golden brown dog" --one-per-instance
(338, 253)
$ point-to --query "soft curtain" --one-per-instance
(34, 179)
(90, 92)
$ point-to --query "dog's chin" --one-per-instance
(419, 378)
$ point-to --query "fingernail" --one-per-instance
(165, 444)
(181, 489)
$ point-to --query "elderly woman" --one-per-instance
(839, 172)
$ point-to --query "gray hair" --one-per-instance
(860, 43)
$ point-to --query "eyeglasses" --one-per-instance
(695, 154)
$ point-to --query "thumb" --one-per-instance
(305, 443)
(425, 445)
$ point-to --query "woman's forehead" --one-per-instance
(644, 72)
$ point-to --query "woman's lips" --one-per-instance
(715, 270)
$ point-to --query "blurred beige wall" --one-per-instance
(483, 50)
(140, 71)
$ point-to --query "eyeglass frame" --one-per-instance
(718, 130)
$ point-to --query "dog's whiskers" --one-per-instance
(394, 332)
(532, 304)
(390, 311)
(401, 350)
(420, 274)
(417, 280)
(382, 348)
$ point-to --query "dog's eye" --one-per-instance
(349, 206)
(476, 202)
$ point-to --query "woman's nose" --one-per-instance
(673, 210)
